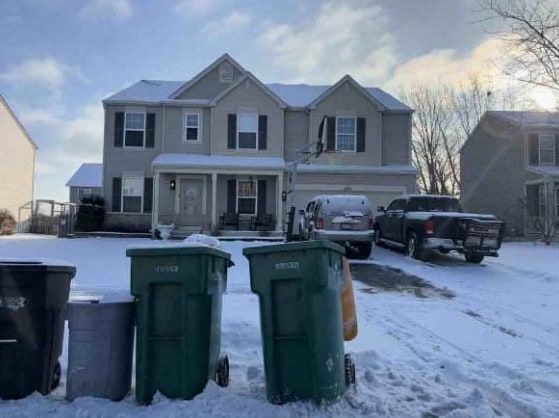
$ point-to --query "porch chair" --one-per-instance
(261, 220)
(229, 219)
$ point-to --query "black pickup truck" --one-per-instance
(421, 223)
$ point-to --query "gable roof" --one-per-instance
(88, 175)
(204, 72)
(340, 83)
(263, 87)
(11, 112)
(527, 118)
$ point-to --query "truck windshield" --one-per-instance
(437, 204)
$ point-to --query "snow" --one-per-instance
(88, 175)
(217, 161)
(546, 170)
(489, 349)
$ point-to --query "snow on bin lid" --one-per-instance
(35, 262)
(294, 247)
(100, 296)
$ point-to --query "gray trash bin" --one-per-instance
(100, 345)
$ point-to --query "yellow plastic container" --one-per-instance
(348, 305)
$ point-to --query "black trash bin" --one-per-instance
(33, 296)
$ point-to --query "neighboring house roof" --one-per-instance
(528, 118)
(217, 161)
(88, 175)
(355, 169)
(546, 170)
(18, 122)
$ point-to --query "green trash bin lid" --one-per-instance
(174, 250)
(294, 246)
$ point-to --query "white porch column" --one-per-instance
(214, 200)
(155, 204)
(279, 214)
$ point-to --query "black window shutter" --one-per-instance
(148, 194)
(533, 149)
(117, 190)
(262, 131)
(150, 130)
(231, 196)
(261, 196)
(360, 146)
(119, 129)
(557, 150)
(232, 131)
(331, 134)
(532, 197)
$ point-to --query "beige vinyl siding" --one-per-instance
(17, 164)
(248, 95)
(493, 173)
(209, 86)
(174, 142)
(396, 139)
(296, 133)
(349, 101)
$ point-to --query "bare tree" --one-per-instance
(532, 38)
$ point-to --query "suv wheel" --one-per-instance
(377, 237)
(474, 258)
(414, 248)
(364, 250)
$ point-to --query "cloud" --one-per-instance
(98, 9)
(197, 8)
(449, 67)
(228, 24)
(47, 72)
(343, 36)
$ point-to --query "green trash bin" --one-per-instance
(178, 292)
(299, 286)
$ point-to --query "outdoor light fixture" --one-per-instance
(172, 184)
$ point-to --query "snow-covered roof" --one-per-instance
(217, 162)
(355, 169)
(546, 170)
(88, 175)
(295, 95)
(527, 118)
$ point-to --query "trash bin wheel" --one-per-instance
(222, 371)
(349, 368)
(56, 376)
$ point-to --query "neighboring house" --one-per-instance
(17, 165)
(510, 167)
(86, 181)
(189, 152)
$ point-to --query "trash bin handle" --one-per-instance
(10, 341)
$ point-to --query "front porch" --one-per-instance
(226, 201)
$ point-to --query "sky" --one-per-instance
(60, 58)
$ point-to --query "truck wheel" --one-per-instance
(474, 258)
(364, 250)
(378, 236)
(57, 372)
(222, 371)
(349, 370)
(414, 248)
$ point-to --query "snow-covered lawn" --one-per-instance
(487, 345)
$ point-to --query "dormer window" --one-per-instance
(226, 73)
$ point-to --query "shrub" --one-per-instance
(91, 213)
(7, 222)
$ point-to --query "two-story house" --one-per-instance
(189, 152)
(17, 166)
(86, 181)
(510, 167)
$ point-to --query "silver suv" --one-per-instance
(344, 219)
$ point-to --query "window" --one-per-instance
(345, 134)
(556, 199)
(132, 194)
(547, 150)
(134, 129)
(398, 204)
(541, 201)
(83, 192)
(192, 127)
(246, 197)
(248, 130)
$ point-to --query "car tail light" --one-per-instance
(371, 223)
(320, 223)
(429, 227)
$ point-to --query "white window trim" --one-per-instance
(251, 112)
(552, 149)
(354, 135)
(129, 176)
(245, 197)
(126, 129)
(556, 189)
(185, 117)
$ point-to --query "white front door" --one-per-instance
(190, 202)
